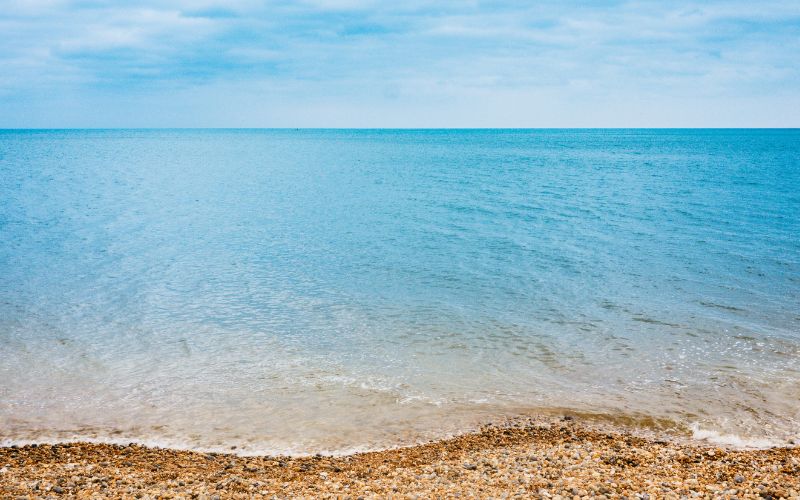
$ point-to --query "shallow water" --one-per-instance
(329, 290)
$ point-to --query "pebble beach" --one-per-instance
(531, 458)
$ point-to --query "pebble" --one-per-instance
(539, 457)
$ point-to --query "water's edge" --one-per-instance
(651, 429)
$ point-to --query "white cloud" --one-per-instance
(410, 58)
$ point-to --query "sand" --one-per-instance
(529, 458)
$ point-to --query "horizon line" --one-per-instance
(6, 129)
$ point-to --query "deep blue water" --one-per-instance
(298, 290)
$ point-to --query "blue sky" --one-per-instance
(363, 63)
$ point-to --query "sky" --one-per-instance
(365, 63)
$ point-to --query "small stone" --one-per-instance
(738, 479)
(469, 466)
(58, 489)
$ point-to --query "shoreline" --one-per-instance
(646, 427)
(527, 457)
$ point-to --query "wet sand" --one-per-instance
(545, 458)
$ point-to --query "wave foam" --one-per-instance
(731, 440)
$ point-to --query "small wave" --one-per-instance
(720, 306)
(731, 440)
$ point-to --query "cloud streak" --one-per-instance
(369, 63)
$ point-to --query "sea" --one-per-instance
(328, 291)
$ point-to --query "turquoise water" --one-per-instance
(307, 290)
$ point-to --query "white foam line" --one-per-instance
(732, 440)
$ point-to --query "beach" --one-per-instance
(535, 457)
(281, 293)
(353, 249)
